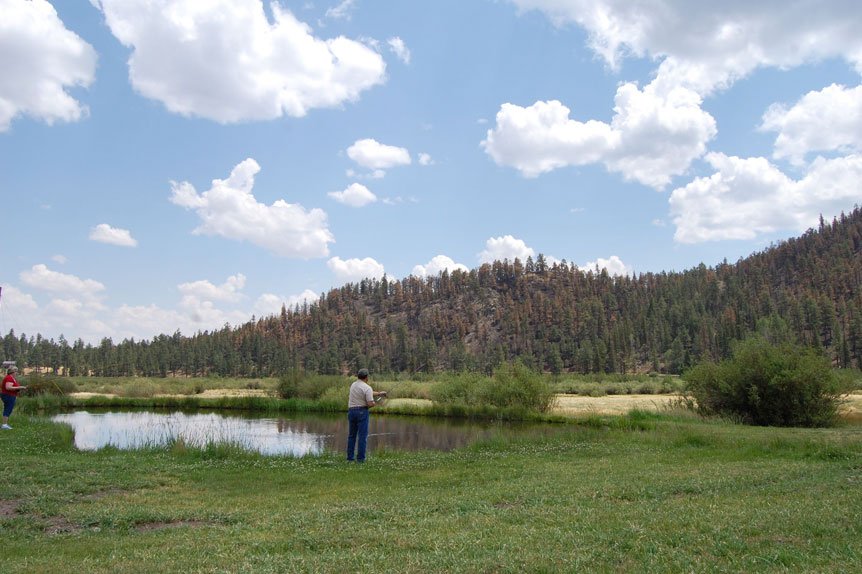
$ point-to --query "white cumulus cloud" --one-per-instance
(356, 195)
(224, 60)
(613, 264)
(42, 278)
(229, 209)
(650, 139)
(708, 45)
(371, 154)
(828, 120)
(40, 60)
(104, 233)
(747, 197)
(505, 247)
(699, 47)
(354, 270)
(230, 290)
(437, 265)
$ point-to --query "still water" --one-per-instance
(291, 435)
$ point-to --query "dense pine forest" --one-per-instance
(556, 318)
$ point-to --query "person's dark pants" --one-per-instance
(9, 404)
(357, 422)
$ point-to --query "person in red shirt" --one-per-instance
(9, 393)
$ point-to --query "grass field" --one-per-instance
(638, 493)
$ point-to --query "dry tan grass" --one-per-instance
(408, 402)
(610, 404)
(852, 405)
(207, 394)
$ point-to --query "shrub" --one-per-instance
(516, 385)
(296, 384)
(315, 386)
(768, 384)
(288, 384)
(458, 389)
(335, 398)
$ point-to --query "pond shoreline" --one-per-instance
(564, 403)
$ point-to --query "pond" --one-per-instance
(289, 434)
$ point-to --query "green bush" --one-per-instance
(511, 386)
(460, 389)
(288, 384)
(296, 384)
(768, 384)
(515, 385)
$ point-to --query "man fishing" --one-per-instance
(360, 400)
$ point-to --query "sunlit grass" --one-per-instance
(647, 492)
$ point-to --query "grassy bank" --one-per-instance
(638, 493)
(422, 387)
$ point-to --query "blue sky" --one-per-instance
(177, 164)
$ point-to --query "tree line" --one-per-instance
(552, 317)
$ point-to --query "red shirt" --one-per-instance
(10, 386)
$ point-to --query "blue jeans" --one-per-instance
(9, 404)
(357, 422)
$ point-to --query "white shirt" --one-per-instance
(360, 394)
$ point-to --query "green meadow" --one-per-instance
(640, 493)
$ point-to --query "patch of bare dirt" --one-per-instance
(59, 525)
(8, 508)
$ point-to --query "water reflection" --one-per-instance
(293, 435)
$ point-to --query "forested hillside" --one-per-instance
(557, 318)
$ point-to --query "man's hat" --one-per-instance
(362, 374)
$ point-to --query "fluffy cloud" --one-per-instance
(659, 130)
(40, 277)
(104, 233)
(437, 265)
(746, 197)
(400, 49)
(41, 61)
(224, 60)
(650, 139)
(374, 155)
(425, 159)
(227, 291)
(72, 306)
(706, 46)
(614, 266)
(505, 247)
(828, 120)
(230, 210)
(356, 195)
(354, 270)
